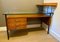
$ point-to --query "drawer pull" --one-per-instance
(17, 20)
(20, 27)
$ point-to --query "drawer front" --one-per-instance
(11, 26)
(11, 20)
(20, 19)
(16, 23)
(21, 27)
(21, 23)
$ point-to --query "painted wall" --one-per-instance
(17, 6)
(55, 25)
(2, 19)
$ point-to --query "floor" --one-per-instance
(31, 36)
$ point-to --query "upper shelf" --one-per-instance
(48, 4)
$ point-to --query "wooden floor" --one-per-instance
(27, 36)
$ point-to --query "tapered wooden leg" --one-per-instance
(49, 22)
(48, 30)
(7, 27)
(41, 22)
(7, 34)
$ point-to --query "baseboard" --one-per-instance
(52, 33)
(3, 28)
(55, 35)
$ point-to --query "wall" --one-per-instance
(2, 20)
(55, 25)
(17, 6)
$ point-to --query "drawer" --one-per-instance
(21, 23)
(21, 27)
(16, 23)
(20, 19)
(11, 26)
(11, 20)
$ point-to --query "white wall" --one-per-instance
(55, 26)
(17, 6)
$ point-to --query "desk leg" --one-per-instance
(48, 29)
(41, 22)
(7, 27)
(49, 22)
(8, 34)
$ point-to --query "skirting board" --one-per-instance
(55, 35)
(52, 33)
(28, 26)
(3, 28)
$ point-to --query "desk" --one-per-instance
(19, 21)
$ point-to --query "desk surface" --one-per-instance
(27, 15)
(48, 4)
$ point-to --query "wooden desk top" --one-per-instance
(48, 4)
(26, 15)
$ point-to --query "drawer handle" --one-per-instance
(17, 20)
